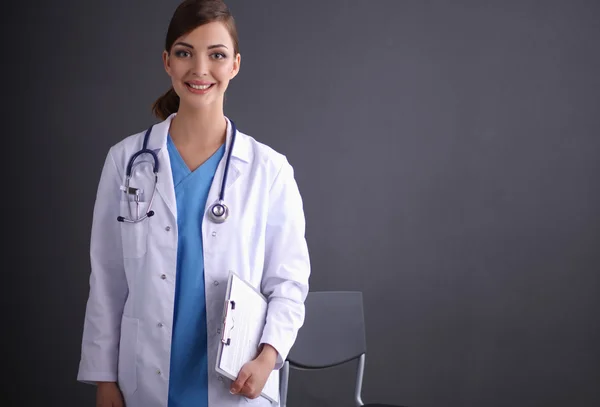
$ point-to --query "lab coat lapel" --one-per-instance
(239, 156)
(165, 186)
(158, 141)
(215, 188)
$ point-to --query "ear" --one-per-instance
(166, 62)
(236, 66)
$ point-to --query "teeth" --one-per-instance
(199, 87)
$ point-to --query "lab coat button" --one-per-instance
(168, 228)
(216, 283)
(160, 325)
(158, 371)
(214, 234)
(219, 331)
(163, 276)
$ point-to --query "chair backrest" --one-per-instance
(333, 332)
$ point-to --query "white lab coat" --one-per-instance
(129, 314)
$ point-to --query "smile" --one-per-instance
(199, 87)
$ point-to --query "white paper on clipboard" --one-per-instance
(244, 317)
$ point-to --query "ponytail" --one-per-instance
(166, 105)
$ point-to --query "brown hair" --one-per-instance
(189, 15)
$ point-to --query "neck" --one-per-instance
(199, 128)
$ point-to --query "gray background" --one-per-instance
(448, 156)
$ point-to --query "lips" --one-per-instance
(199, 88)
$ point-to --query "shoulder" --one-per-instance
(270, 170)
(260, 154)
(273, 175)
(121, 151)
(130, 142)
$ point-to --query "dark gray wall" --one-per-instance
(448, 154)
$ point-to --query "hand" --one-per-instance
(109, 395)
(252, 377)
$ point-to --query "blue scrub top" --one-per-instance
(188, 384)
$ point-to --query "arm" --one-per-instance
(284, 283)
(107, 284)
(287, 265)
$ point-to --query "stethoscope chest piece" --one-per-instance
(218, 212)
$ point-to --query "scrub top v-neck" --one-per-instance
(188, 382)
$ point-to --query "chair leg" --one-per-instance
(359, 380)
(285, 374)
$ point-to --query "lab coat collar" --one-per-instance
(241, 154)
(241, 148)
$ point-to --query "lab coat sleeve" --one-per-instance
(287, 265)
(107, 284)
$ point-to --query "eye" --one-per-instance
(182, 53)
(218, 55)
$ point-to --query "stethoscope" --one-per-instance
(218, 212)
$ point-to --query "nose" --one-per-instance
(200, 67)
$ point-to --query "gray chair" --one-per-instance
(333, 333)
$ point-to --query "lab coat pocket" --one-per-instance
(134, 235)
(257, 400)
(128, 355)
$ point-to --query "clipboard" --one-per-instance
(244, 317)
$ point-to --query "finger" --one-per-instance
(239, 383)
(249, 388)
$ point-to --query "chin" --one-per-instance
(199, 101)
(195, 103)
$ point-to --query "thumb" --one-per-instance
(243, 375)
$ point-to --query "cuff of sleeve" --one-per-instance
(94, 377)
(280, 357)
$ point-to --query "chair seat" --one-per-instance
(382, 405)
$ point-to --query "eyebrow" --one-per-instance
(185, 44)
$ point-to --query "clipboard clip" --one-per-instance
(228, 322)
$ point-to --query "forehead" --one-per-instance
(208, 34)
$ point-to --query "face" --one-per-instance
(201, 64)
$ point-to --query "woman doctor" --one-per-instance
(170, 223)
